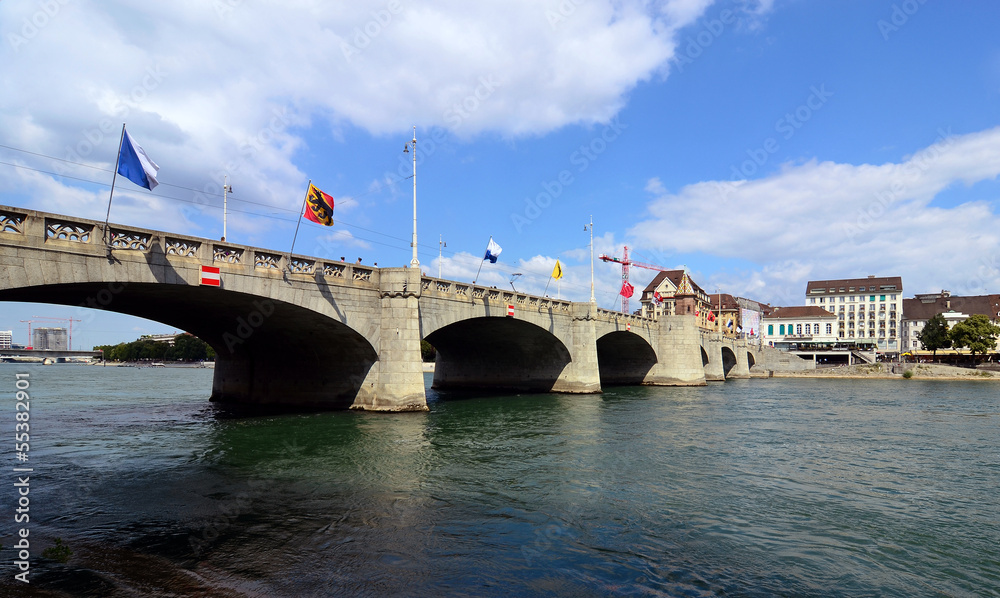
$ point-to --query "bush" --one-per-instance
(908, 374)
(60, 552)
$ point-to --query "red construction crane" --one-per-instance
(627, 289)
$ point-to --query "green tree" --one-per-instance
(427, 351)
(977, 333)
(935, 334)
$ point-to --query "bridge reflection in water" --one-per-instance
(320, 333)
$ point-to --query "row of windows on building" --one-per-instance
(852, 299)
(798, 329)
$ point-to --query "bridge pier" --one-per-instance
(714, 369)
(398, 376)
(582, 374)
(678, 353)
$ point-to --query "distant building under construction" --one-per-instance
(52, 339)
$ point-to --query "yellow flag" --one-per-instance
(557, 271)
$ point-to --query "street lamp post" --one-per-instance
(412, 146)
(441, 246)
(590, 227)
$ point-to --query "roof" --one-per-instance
(926, 308)
(674, 276)
(728, 301)
(800, 311)
(819, 287)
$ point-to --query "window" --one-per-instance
(770, 329)
(862, 289)
(881, 297)
(893, 297)
(798, 329)
(821, 299)
(841, 299)
(781, 329)
(812, 300)
(829, 329)
(871, 298)
(808, 329)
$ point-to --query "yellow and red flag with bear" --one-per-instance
(319, 206)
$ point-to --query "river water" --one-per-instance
(747, 488)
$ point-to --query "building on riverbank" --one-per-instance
(954, 308)
(868, 310)
(6, 339)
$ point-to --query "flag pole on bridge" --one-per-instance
(298, 223)
(113, 179)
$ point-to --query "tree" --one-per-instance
(977, 333)
(935, 334)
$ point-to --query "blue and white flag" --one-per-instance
(135, 165)
(492, 251)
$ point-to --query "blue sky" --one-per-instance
(760, 144)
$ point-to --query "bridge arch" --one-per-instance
(321, 362)
(728, 360)
(624, 358)
(751, 360)
(497, 353)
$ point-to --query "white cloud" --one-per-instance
(820, 220)
(210, 88)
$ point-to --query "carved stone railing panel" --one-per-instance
(266, 261)
(546, 304)
(302, 266)
(181, 247)
(532, 301)
(425, 284)
(68, 231)
(494, 295)
(478, 293)
(521, 299)
(363, 274)
(228, 255)
(12, 223)
(508, 297)
(462, 290)
(334, 270)
(123, 239)
(443, 287)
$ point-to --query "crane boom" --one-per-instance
(626, 262)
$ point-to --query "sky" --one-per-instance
(757, 143)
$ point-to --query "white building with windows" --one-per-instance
(869, 310)
(799, 327)
(6, 339)
(954, 309)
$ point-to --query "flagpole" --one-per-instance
(107, 238)
(297, 224)
(547, 286)
(481, 262)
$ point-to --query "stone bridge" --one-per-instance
(298, 330)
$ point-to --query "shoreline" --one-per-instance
(920, 371)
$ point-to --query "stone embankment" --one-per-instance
(922, 371)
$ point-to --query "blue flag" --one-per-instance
(135, 165)
(492, 251)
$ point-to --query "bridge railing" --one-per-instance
(82, 235)
(617, 316)
(480, 293)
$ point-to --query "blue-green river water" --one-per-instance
(748, 488)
